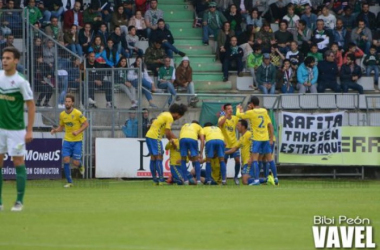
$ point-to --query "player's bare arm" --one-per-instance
(231, 150)
(202, 138)
(222, 121)
(271, 132)
(169, 134)
(31, 113)
(81, 129)
(56, 130)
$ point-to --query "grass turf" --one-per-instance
(109, 214)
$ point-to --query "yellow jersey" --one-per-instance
(259, 120)
(191, 130)
(229, 131)
(215, 170)
(157, 129)
(213, 133)
(245, 144)
(175, 153)
(72, 122)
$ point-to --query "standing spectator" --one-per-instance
(200, 7)
(145, 121)
(341, 36)
(307, 76)
(72, 42)
(321, 37)
(367, 16)
(154, 57)
(43, 77)
(152, 16)
(233, 54)
(284, 78)
(13, 19)
(328, 72)
(303, 37)
(350, 73)
(337, 55)
(265, 38)
(33, 12)
(166, 77)
(73, 17)
(223, 40)
(328, 18)
(140, 25)
(119, 18)
(266, 76)
(234, 18)
(85, 37)
(184, 78)
(371, 62)
(132, 39)
(254, 60)
(283, 37)
(362, 36)
(212, 22)
(166, 38)
(130, 128)
(309, 17)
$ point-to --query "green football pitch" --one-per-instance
(111, 214)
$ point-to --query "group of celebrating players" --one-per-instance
(220, 142)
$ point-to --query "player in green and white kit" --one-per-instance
(14, 91)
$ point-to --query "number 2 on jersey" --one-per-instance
(262, 121)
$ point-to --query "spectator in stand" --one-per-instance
(254, 60)
(104, 9)
(119, 18)
(300, 5)
(372, 62)
(328, 18)
(284, 76)
(72, 42)
(265, 38)
(276, 57)
(234, 18)
(53, 8)
(266, 76)
(130, 128)
(294, 56)
(54, 31)
(338, 7)
(166, 77)
(166, 38)
(353, 49)
(368, 17)
(314, 53)
(140, 25)
(73, 17)
(72, 79)
(48, 52)
(233, 54)
(103, 33)
(145, 121)
(350, 74)
(255, 20)
(309, 17)
(292, 20)
(154, 57)
(110, 54)
(303, 37)
(244, 7)
(246, 40)
(307, 76)
(200, 7)
(92, 16)
(33, 12)
(341, 35)
(37, 47)
(328, 73)
(223, 40)
(321, 37)
(212, 22)
(337, 54)
(120, 44)
(13, 19)
(222, 5)
(43, 78)
(262, 6)
(152, 16)
(348, 19)
(125, 85)
(283, 37)
(132, 39)
(129, 6)
(97, 47)
(277, 10)
(184, 78)
(85, 37)
(362, 36)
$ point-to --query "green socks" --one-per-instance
(1, 184)
(21, 182)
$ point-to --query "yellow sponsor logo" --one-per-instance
(8, 98)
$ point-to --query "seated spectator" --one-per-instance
(266, 76)
(234, 18)
(300, 5)
(348, 19)
(154, 57)
(284, 78)
(130, 128)
(277, 10)
(73, 17)
(350, 73)
(307, 76)
(328, 72)
(48, 52)
(340, 34)
(4, 28)
(92, 16)
(132, 39)
(54, 31)
(292, 20)
(283, 37)
(276, 57)
(125, 85)
(255, 20)
(72, 42)
(367, 16)
(353, 49)
(120, 44)
(262, 6)
(246, 40)
(294, 55)
(13, 19)
(166, 77)
(110, 54)
(309, 17)
(314, 53)
(152, 16)
(329, 19)
(103, 33)
(254, 60)
(85, 37)
(265, 38)
(184, 78)
(32, 12)
(166, 38)
(244, 8)
(303, 37)
(337, 54)
(362, 36)
(212, 22)
(234, 54)
(97, 47)
(223, 40)
(338, 7)
(53, 8)
(372, 62)
(43, 79)
(37, 47)
(138, 22)
(321, 37)
(119, 18)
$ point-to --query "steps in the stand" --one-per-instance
(175, 7)
(196, 59)
(207, 67)
(191, 41)
(178, 15)
(181, 32)
(208, 76)
(192, 51)
(182, 25)
(161, 3)
(206, 86)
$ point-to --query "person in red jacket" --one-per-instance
(73, 16)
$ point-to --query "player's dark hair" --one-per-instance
(244, 123)
(13, 50)
(254, 100)
(178, 108)
(195, 121)
(226, 105)
(71, 96)
(208, 124)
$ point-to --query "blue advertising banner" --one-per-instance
(42, 160)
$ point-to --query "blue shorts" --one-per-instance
(72, 149)
(271, 147)
(233, 155)
(215, 146)
(154, 146)
(186, 145)
(261, 147)
(176, 173)
(247, 170)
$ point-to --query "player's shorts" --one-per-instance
(215, 146)
(271, 147)
(247, 170)
(12, 142)
(261, 147)
(233, 155)
(154, 146)
(186, 145)
(72, 149)
(176, 173)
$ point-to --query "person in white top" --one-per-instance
(328, 18)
